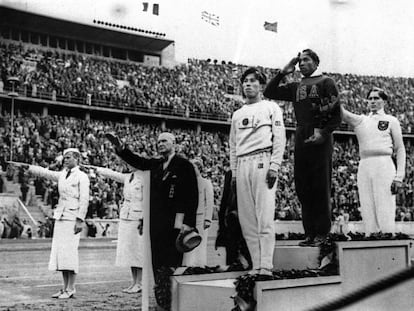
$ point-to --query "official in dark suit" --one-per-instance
(173, 197)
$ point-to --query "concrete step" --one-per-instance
(360, 263)
(11, 187)
(291, 256)
(36, 213)
(217, 288)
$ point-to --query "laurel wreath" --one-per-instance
(245, 284)
(328, 263)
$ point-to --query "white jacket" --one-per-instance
(73, 191)
(254, 127)
(131, 208)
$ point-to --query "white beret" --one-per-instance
(76, 150)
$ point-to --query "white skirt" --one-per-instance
(129, 250)
(64, 254)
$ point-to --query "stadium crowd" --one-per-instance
(40, 140)
(199, 88)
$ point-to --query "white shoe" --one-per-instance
(265, 271)
(60, 292)
(67, 294)
(253, 271)
(126, 290)
(135, 289)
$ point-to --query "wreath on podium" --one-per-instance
(244, 298)
(328, 265)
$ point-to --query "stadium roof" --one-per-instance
(75, 31)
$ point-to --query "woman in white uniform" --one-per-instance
(129, 252)
(198, 256)
(69, 215)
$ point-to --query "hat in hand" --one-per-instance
(187, 241)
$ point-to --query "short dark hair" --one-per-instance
(252, 70)
(381, 93)
(312, 55)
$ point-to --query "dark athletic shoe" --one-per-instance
(307, 242)
(319, 240)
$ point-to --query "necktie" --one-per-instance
(67, 175)
(131, 178)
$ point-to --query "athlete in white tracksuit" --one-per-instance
(257, 143)
(378, 135)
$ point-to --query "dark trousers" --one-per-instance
(313, 170)
(164, 256)
(164, 252)
(235, 243)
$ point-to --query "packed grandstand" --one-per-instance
(195, 100)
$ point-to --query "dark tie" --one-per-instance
(67, 175)
(131, 178)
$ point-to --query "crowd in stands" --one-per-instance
(39, 140)
(199, 88)
(12, 228)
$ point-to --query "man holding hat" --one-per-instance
(315, 101)
(69, 216)
(379, 135)
(173, 198)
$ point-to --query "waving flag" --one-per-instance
(210, 18)
(270, 26)
(155, 7)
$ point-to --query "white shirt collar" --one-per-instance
(166, 163)
(379, 112)
(317, 72)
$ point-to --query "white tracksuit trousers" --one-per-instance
(375, 176)
(256, 208)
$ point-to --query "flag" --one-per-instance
(210, 18)
(155, 8)
(270, 26)
(145, 6)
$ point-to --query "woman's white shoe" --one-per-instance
(67, 294)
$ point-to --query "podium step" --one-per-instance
(213, 291)
(207, 295)
(295, 257)
(360, 263)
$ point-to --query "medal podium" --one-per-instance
(360, 263)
